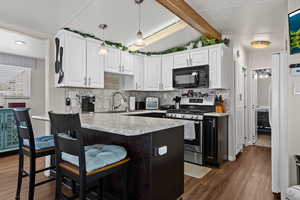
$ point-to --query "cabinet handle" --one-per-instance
(191, 61)
(136, 85)
(187, 62)
(89, 81)
(85, 80)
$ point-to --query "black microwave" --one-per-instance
(191, 77)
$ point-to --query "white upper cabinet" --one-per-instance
(82, 65)
(113, 60)
(198, 58)
(138, 64)
(181, 60)
(167, 72)
(191, 58)
(126, 63)
(152, 73)
(220, 67)
(95, 66)
(74, 60)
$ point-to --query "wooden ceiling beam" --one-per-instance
(185, 12)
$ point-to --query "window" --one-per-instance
(15, 81)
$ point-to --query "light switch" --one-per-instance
(162, 150)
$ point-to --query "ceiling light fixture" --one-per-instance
(161, 34)
(103, 49)
(140, 39)
(20, 42)
(260, 44)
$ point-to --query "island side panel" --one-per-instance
(150, 177)
(167, 170)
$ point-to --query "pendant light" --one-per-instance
(140, 40)
(103, 49)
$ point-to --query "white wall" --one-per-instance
(260, 59)
(294, 109)
(263, 85)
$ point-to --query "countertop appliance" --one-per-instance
(191, 77)
(132, 103)
(193, 109)
(152, 103)
(88, 103)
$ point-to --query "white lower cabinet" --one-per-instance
(152, 73)
(167, 72)
(94, 66)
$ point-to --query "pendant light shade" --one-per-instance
(139, 36)
(103, 49)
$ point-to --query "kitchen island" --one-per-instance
(155, 146)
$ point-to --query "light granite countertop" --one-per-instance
(122, 124)
(215, 114)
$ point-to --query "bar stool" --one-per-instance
(86, 164)
(33, 148)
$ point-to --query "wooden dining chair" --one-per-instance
(88, 164)
(33, 147)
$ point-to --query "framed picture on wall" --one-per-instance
(294, 31)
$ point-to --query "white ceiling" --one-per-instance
(244, 19)
(34, 47)
(240, 18)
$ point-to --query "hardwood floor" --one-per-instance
(248, 178)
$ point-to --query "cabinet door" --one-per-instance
(199, 58)
(10, 131)
(215, 78)
(75, 61)
(95, 66)
(167, 72)
(210, 137)
(126, 62)
(138, 64)
(152, 73)
(181, 60)
(113, 60)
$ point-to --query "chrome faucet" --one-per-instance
(115, 107)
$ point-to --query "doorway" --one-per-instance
(260, 100)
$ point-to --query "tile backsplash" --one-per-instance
(104, 97)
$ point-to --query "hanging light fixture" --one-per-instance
(103, 49)
(140, 39)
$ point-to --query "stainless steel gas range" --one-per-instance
(193, 109)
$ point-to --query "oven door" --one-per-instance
(198, 133)
(191, 77)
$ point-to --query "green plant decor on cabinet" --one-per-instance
(200, 42)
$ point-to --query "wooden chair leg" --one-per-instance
(100, 189)
(20, 174)
(31, 178)
(73, 187)
(58, 185)
(124, 184)
(82, 188)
